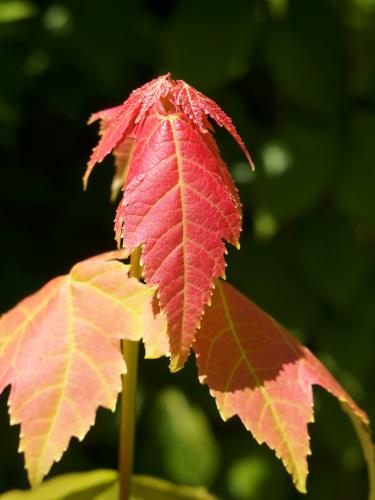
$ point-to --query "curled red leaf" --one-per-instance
(197, 106)
(179, 203)
(117, 119)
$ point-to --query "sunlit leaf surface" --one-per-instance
(60, 351)
(255, 369)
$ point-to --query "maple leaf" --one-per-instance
(256, 370)
(116, 120)
(122, 153)
(179, 203)
(196, 105)
(60, 351)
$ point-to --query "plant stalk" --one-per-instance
(128, 400)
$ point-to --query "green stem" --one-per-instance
(128, 400)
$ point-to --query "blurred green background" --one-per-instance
(298, 78)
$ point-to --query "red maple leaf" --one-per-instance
(178, 206)
(255, 369)
(116, 120)
(179, 199)
(196, 105)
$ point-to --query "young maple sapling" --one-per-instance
(60, 348)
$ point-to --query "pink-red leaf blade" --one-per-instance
(197, 106)
(256, 370)
(178, 204)
(117, 120)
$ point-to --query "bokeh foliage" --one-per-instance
(298, 77)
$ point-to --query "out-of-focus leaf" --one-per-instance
(11, 11)
(187, 447)
(110, 493)
(75, 486)
(57, 18)
(278, 7)
(103, 485)
(152, 488)
(246, 478)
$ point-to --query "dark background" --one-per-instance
(298, 78)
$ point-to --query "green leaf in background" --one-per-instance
(103, 485)
(246, 478)
(186, 446)
(75, 486)
(278, 8)
(16, 11)
(152, 488)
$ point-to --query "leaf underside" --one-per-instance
(255, 369)
(60, 351)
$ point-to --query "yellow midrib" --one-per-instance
(70, 330)
(183, 215)
(259, 384)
